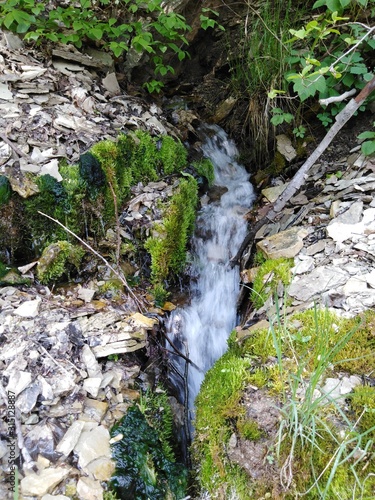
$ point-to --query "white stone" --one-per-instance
(18, 381)
(88, 489)
(70, 439)
(92, 385)
(92, 444)
(55, 497)
(102, 468)
(28, 309)
(42, 483)
(370, 278)
(332, 388)
(5, 93)
(303, 265)
(52, 168)
(86, 294)
(355, 285)
(315, 283)
(348, 384)
(89, 359)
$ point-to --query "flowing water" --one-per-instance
(201, 329)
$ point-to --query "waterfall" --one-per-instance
(200, 330)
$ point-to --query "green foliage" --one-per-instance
(268, 276)
(280, 116)
(3, 269)
(168, 250)
(205, 168)
(207, 21)
(92, 173)
(368, 146)
(118, 26)
(5, 190)
(249, 429)
(330, 55)
(55, 260)
(145, 463)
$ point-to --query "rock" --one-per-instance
(223, 109)
(28, 309)
(102, 468)
(55, 497)
(28, 398)
(18, 381)
(94, 410)
(340, 231)
(5, 93)
(353, 215)
(70, 438)
(92, 385)
(90, 362)
(92, 444)
(110, 83)
(303, 264)
(273, 193)
(323, 278)
(349, 383)
(44, 482)
(285, 244)
(285, 148)
(51, 168)
(88, 489)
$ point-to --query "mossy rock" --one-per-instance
(57, 259)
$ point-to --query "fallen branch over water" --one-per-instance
(300, 177)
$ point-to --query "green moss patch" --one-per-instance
(269, 275)
(318, 446)
(145, 461)
(168, 248)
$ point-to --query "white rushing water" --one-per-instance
(201, 329)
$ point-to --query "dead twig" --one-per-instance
(120, 276)
(15, 148)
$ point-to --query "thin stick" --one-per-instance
(177, 351)
(15, 148)
(120, 276)
(118, 236)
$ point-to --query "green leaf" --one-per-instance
(300, 34)
(344, 3)
(95, 33)
(333, 5)
(358, 70)
(368, 148)
(367, 135)
(77, 25)
(319, 3)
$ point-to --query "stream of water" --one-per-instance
(201, 329)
